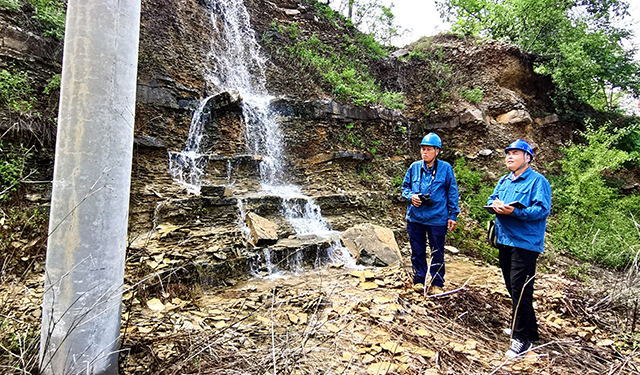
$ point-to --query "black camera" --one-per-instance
(426, 199)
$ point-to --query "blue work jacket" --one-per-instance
(441, 186)
(524, 227)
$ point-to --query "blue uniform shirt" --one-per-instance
(525, 227)
(442, 187)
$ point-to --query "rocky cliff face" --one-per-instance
(344, 156)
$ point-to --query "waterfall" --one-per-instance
(187, 166)
(235, 63)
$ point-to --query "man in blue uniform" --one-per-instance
(520, 237)
(430, 187)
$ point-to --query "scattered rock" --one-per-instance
(372, 245)
(515, 117)
(263, 231)
(451, 249)
(547, 120)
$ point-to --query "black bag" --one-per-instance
(491, 233)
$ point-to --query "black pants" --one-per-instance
(518, 267)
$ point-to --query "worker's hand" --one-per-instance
(451, 224)
(500, 208)
(415, 200)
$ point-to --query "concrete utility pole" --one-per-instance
(90, 198)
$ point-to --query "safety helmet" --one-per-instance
(520, 144)
(431, 139)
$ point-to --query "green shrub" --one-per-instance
(15, 90)
(473, 191)
(473, 95)
(11, 5)
(50, 15)
(396, 181)
(471, 238)
(53, 84)
(591, 219)
(12, 167)
(374, 49)
(325, 12)
(579, 273)
(346, 74)
(293, 30)
(392, 100)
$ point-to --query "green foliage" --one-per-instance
(15, 90)
(630, 141)
(276, 26)
(373, 18)
(592, 220)
(438, 80)
(12, 167)
(472, 239)
(374, 148)
(579, 273)
(473, 95)
(293, 30)
(326, 13)
(392, 100)
(19, 342)
(473, 191)
(53, 84)
(396, 181)
(346, 74)
(11, 5)
(355, 140)
(374, 49)
(366, 175)
(50, 15)
(578, 43)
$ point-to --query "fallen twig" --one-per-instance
(451, 291)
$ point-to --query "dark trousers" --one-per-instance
(418, 235)
(518, 267)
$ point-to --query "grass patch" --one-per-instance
(346, 74)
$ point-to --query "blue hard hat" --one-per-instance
(431, 139)
(520, 144)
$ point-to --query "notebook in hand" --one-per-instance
(515, 204)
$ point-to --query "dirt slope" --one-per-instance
(337, 321)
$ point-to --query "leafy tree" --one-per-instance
(371, 16)
(580, 43)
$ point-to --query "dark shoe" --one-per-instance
(518, 348)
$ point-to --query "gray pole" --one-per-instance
(90, 199)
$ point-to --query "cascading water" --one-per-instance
(187, 166)
(235, 63)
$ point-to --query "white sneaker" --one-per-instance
(517, 348)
